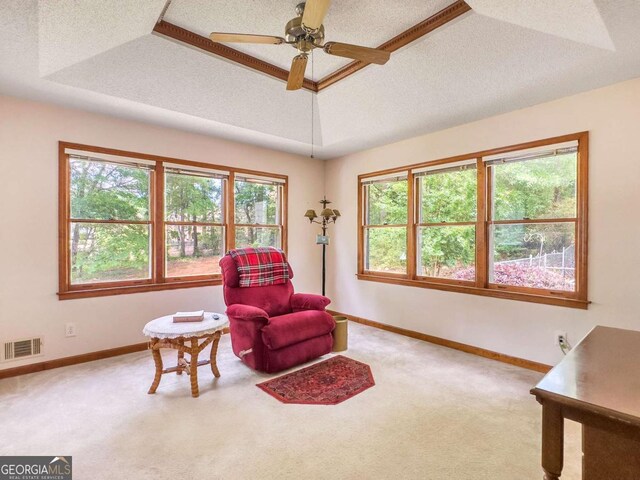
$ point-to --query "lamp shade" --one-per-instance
(327, 212)
(311, 214)
(336, 213)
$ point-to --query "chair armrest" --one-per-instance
(308, 301)
(246, 312)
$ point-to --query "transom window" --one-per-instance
(134, 222)
(511, 223)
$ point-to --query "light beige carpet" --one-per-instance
(434, 413)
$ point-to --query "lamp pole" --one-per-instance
(324, 259)
(327, 216)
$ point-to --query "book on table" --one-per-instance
(196, 316)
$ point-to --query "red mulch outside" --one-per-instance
(177, 267)
(325, 383)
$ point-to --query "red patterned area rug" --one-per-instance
(325, 383)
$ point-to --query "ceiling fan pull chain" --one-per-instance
(312, 114)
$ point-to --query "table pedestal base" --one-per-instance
(190, 366)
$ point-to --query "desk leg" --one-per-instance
(193, 367)
(157, 359)
(552, 440)
(214, 351)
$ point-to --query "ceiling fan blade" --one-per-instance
(244, 38)
(365, 54)
(296, 75)
(314, 13)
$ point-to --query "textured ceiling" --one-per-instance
(368, 24)
(70, 31)
(481, 64)
(214, 90)
(577, 20)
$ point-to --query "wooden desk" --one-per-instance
(598, 385)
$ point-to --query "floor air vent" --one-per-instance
(22, 348)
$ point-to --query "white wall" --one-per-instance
(29, 133)
(612, 115)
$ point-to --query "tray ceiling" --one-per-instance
(369, 24)
(103, 57)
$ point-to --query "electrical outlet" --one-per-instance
(560, 338)
(69, 329)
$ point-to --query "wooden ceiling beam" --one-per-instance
(435, 21)
(188, 37)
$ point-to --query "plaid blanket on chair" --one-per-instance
(258, 267)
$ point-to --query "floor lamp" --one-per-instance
(327, 216)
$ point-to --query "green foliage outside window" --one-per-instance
(446, 250)
(450, 196)
(387, 203)
(543, 188)
(537, 188)
(256, 204)
(386, 247)
(193, 249)
(447, 196)
(107, 252)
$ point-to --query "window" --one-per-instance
(194, 222)
(509, 223)
(533, 218)
(110, 222)
(446, 225)
(385, 225)
(132, 222)
(258, 212)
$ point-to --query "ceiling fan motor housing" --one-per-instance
(302, 39)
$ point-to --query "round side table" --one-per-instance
(185, 337)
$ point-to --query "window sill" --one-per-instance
(123, 290)
(487, 292)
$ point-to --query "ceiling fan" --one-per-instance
(305, 33)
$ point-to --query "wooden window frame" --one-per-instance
(417, 201)
(482, 286)
(167, 223)
(366, 226)
(157, 222)
(281, 215)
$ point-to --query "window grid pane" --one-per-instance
(541, 188)
(193, 199)
(449, 196)
(386, 203)
(257, 203)
(109, 252)
(540, 255)
(447, 252)
(193, 250)
(386, 249)
(108, 191)
(258, 237)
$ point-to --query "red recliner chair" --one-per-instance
(273, 328)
